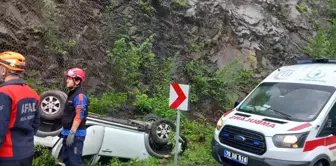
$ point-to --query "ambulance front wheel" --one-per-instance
(321, 163)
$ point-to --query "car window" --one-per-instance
(301, 102)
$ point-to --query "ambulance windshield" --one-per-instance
(292, 101)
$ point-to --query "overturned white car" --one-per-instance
(106, 136)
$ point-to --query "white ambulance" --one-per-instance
(289, 119)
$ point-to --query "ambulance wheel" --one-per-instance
(52, 103)
(321, 163)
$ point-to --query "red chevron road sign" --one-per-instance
(179, 96)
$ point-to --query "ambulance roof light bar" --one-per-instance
(311, 60)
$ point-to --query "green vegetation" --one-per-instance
(179, 4)
(146, 7)
(323, 44)
(42, 157)
(108, 102)
(310, 9)
(331, 8)
(222, 85)
(145, 79)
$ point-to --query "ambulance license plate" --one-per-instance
(235, 157)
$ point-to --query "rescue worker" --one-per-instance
(74, 118)
(19, 112)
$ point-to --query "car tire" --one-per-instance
(160, 129)
(52, 104)
(151, 118)
(64, 94)
(153, 150)
(184, 144)
(40, 133)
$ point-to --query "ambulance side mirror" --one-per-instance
(331, 126)
(236, 103)
(333, 131)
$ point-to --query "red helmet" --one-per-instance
(76, 73)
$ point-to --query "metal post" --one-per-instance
(177, 137)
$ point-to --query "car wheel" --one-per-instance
(164, 151)
(184, 142)
(160, 130)
(52, 103)
(151, 118)
(64, 94)
(49, 128)
(41, 133)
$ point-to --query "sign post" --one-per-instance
(179, 100)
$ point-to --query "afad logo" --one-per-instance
(315, 74)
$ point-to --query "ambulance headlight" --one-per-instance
(219, 124)
(290, 140)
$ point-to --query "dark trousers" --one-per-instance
(72, 155)
(23, 162)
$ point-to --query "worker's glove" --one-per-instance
(70, 138)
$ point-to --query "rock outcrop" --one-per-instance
(58, 34)
(269, 32)
(263, 34)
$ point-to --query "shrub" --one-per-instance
(42, 157)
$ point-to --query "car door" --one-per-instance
(122, 142)
(93, 140)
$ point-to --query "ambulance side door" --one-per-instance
(328, 131)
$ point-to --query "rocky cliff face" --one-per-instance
(55, 35)
(263, 34)
(58, 34)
